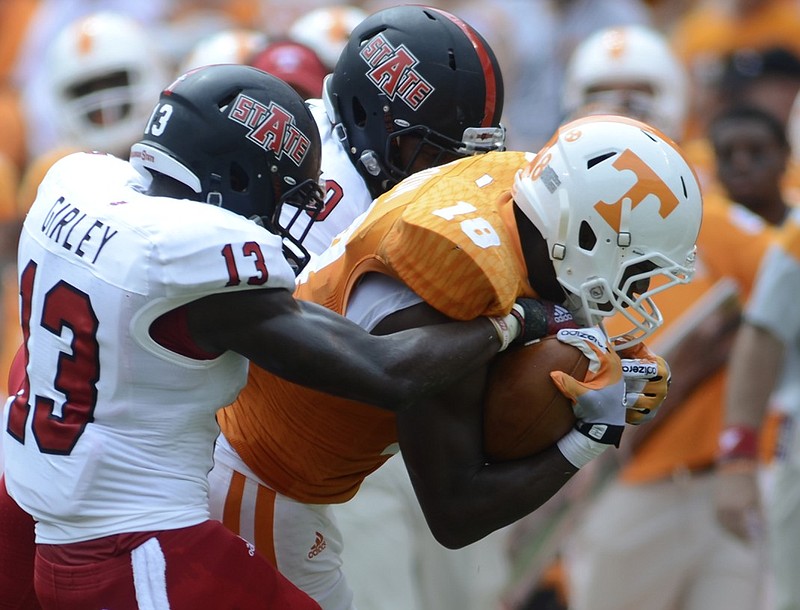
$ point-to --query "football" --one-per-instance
(524, 411)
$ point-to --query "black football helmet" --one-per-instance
(241, 139)
(417, 74)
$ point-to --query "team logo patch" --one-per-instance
(392, 72)
(272, 127)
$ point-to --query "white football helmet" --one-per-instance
(632, 56)
(233, 46)
(618, 206)
(104, 76)
(325, 30)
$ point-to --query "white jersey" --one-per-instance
(116, 432)
(346, 194)
(773, 305)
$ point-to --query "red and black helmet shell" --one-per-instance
(239, 137)
(409, 66)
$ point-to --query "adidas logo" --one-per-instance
(561, 314)
(318, 546)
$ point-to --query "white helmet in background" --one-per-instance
(104, 76)
(618, 205)
(233, 46)
(325, 30)
(629, 70)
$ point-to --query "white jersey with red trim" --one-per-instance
(346, 194)
(113, 432)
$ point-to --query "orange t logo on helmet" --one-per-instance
(647, 183)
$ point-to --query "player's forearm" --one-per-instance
(498, 495)
(755, 363)
(325, 351)
(421, 362)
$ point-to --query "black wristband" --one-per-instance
(534, 324)
(602, 433)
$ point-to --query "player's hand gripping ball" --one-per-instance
(524, 411)
(647, 379)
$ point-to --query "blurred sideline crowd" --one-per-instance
(720, 77)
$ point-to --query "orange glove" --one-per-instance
(647, 378)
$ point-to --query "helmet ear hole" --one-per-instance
(239, 179)
(587, 239)
(223, 103)
(359, 113)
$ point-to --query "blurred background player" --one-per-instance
(289, 60)
(294, 63)
(326, 30)
(533, 40)
(99, 88)
(711, 31)
(67, 47)
(230, 46)
(768, 79)
(765, 348)
(632, 71)
(101, 85)
(763, 383)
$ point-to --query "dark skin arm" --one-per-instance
(757, 360)
(462, 497)
(310, 345)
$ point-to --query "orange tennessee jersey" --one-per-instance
(450, 235)
(9, 180)
(730, 246)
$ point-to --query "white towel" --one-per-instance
(149, 576)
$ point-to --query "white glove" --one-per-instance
(598, 399)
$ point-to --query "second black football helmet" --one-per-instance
(241, 139)
(419, 73)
